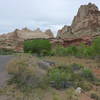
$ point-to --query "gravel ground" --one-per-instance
(3, 73)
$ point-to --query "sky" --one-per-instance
(45, 14)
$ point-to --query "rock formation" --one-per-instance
(86, 22)
(49, 33)
(14, 40)
(66, 31)
(25, 34)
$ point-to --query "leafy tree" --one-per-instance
(37, 46)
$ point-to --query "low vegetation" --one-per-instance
(71, 68)
(71, 76)
(39, 47)
(95, 95)
(43, 48)
(25, 73)
(28, 78)
(82, 50)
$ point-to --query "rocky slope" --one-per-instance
(86, 22)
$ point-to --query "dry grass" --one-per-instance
(30, 63)
(70, 60)
(25, 73)
(91, 63)
(23, 62)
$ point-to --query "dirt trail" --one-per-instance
(3, 73)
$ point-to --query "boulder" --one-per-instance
(46, 64)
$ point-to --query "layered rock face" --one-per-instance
(25, 34)
(49, 33)
(65, 32)
(86, 22)
(14, 40)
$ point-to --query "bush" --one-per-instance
(72, 95)
(25, 73)
(87, 74)
(95, 96)
(73, 75)
(61, 51)
(80, 51)
(59, 76)
(40, 47)
(85, 85)
(96, 47)
(72, 50)
(56, 96)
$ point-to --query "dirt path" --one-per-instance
(3, 73)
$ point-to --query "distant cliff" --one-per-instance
(14, 40)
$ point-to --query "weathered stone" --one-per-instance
(49, 33)
(86, 22)
(65, 32)
(46, 64)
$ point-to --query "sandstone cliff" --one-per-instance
(86, 22)
(26, 33)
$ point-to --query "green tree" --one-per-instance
(37, 46)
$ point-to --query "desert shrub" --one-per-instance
(25, 73)
(56, 96)
(59, 76)
(72, 50)
(90, 51)
(96, 47)
(59, 51)
(96, 82)
(87, 51)
(72, 95)
(40, 47)
(95, 95)
(88, 74)
(85, 85)
(79, 51)
(73, 75)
